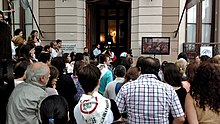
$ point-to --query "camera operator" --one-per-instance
(109, 52)
(106, 50)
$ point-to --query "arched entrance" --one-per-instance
(109, 18)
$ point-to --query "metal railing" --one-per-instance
(193, 49)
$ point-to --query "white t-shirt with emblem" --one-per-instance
(80, 116)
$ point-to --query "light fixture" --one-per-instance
(102, 38)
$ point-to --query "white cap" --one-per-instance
(123, 54)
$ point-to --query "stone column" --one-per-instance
(70, 24)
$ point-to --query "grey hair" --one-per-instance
(35, 74)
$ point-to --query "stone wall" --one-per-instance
(156, 18)
(65, 20)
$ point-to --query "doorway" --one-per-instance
(109, 23)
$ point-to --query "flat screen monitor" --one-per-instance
(155, 45)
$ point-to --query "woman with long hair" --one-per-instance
(26, 53)
(54, 110)
(69, 66)
(34, 37)
(173, 77)
(52, 82)
(202, 103)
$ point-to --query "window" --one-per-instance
(191, 24)
(22, 18)
(206, 20)
(200, 22)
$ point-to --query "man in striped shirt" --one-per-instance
(148, 100)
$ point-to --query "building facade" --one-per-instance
(81, 23)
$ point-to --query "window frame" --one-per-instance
(21, 13)
(199, 23)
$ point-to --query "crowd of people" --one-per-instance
(41, 84)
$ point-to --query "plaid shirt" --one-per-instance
(148, 100)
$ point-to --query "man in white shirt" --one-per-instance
(112, 88)
(55, 50)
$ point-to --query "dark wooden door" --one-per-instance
(107, 21)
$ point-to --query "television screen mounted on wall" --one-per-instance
(155, 45)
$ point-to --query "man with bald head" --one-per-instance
(23, 104)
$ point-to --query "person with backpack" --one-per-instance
(113, 87)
